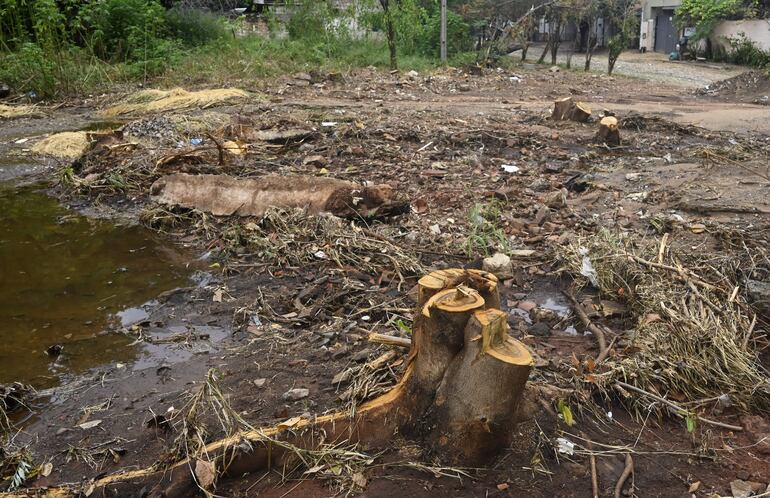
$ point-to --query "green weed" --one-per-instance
(485, 235)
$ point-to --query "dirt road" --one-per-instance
(650, 66)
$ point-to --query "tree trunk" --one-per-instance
(459, 396)
(556, 41)
(545, 50)
(575, 45)
(391, 34)
(591, 43)
(524, 49)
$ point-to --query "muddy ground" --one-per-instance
(266, 318)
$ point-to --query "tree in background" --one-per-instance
(622, 17)
(390, 33)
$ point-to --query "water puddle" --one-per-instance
(13, 166)
(63, 280)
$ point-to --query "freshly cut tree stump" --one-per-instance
(567, 109)
(459, 395)
(608, 131)
(476, 403)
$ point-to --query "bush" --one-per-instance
(192, 27)
(457, 34)
(744, 51)
(120, 30)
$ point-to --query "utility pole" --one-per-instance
(443, 31)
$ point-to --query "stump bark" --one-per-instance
(464, 379)
(568, 109)
(609, 133)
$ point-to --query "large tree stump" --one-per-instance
(567, 109)
(458, 396)
(475, 404)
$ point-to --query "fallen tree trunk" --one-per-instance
(223, 195)
(459, 396)
(567, 109)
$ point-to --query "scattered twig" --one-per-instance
(677, 408)
(598, 332)
(390, 340)
(594, 473)
(626, 472)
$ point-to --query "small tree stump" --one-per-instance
(567, 109)
(609, 133)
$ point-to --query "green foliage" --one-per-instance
(322, 26)
(120, 30)
(403, 326)
(410, 21)
(566, 412)
(744, 51)
(457, 34)
(418, 30)
(690, 422)
(192, 27)
(61, 47)
(705, 14)
(485, 236)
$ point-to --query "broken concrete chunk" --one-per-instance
(296, 394)
(499, 264)
(223, 195)
(759, 295)
(745, 489)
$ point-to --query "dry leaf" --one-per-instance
(359, 480)
(89, 425)
(288, 424)
(698, 228)
(46, 470)
(205, 473)
(694, 487)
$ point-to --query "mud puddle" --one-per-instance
(65, 280)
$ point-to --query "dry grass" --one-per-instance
(149, 101)
(693, 340)
(66, 145)
(18, 111)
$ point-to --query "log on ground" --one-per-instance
(223, 195)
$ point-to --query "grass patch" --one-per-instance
(485, 235)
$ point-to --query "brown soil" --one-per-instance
(751, 86)
(297, 318)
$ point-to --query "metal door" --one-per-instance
(665, 33)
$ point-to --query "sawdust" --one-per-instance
(66, 145)
(149, 101)
(18, 111)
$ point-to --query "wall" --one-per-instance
(648, 5)
(757, 30)
(651, 8)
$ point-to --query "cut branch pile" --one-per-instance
(294, 238)
(694, 339)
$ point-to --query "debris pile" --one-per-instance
(695, 336)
